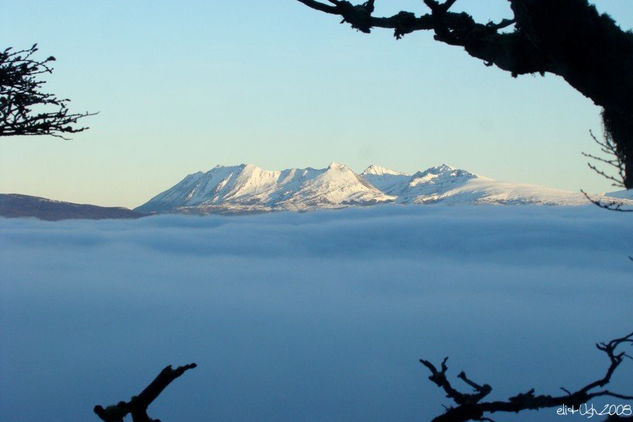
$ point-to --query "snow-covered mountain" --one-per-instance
(248, 188)
(385, 179)
(454, 186)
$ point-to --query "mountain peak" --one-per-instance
(443, 171)
(442, 168)
(445, 167)
(336, 166)
(221, 169)
(377, 170)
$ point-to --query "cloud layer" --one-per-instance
(314, 316)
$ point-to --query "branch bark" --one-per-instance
(137, 406)
(471, 408)
(24, 108)
(568, 38)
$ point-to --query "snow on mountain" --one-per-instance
(454, 186)
(482, 190)
(432, 181)
(622, 194)
(337, 185)
(248, 188)
(375, 170)
(385, 179)
(194, 189)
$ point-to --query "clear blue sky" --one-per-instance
(183, 86)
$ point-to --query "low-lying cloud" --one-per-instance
(314, 316)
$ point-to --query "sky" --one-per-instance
(182, 87)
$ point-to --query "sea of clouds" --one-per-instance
(317, 316)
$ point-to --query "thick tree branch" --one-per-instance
(568, 38)
(480, 40)
(439, 378)
(360, 17)
(320, 6)
(470, 407)
(137, 406)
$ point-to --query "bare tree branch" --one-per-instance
(615, 158)
(569, 38)
(508, 51)
(24, 108)
(137, 406)
(607, 204)
(470, 407)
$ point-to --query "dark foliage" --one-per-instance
(470, 407)
(137, 406)
(24, 108)
(568, 38)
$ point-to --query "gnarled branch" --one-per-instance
(484, 41)
(470, 407)
(137, 406)
(615, 158)
(24, 108)
(607, 204)
(568, 38)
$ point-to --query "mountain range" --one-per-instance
(247, 188)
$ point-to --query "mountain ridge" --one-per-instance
(13, 205)
(247, 188)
